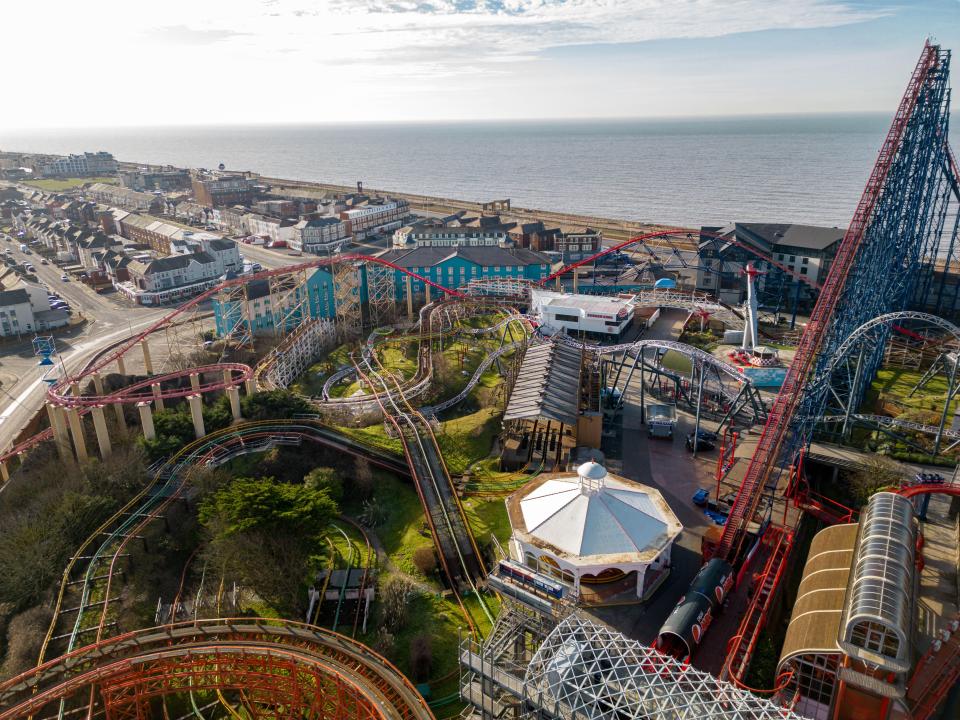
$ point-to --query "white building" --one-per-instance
(16, 315)
(455, 237)
(597, 314)
(275, 229)
(376, 216)
(321, 236)
(169, 279)
(99, 163)
(607, 537)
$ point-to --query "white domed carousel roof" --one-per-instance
(612, 517)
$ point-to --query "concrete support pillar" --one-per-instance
(427, 287)
(251, 384)
(75, 388)
(121, 367)
(559, 286)
(147, 362)
(4, 472)
(61, 435)
(146, 420)
(195, 381)
(157, 398)
(576, 280)
(103, 435)
(98, 384)
(76, 430)
(121, 419)
(234, 394)
(196, 413)
(409, 281)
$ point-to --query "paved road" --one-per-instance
(111, 318)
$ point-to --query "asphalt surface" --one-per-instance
(110, 318)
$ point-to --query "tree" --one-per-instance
(274, 405)
(264, 504)
(265, 534)
(324, 478)
(24, 637)
(877, 473)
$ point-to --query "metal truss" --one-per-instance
(347, 300)
(873, 273)
(300, 349)
(235, 321)
(586, 670)
(289, 300)
(851, 369)
(509, 288)
(381, 294)
(272, 668)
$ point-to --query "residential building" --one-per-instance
(576, 245)
(87, 164)
(222, 189)
(533, 235)
(321, 236)
(163, 179)
(124, 198)
(376, 215)
(276, 208)
(170, 279)
(457, 237)
(272, 228)
(16, 315)
(805, 250)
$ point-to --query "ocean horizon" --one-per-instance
(691, 171)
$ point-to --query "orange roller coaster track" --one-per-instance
(283, 669)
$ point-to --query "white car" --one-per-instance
(64, 277)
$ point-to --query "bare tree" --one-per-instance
(877, 473)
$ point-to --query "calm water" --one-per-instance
(802, 169)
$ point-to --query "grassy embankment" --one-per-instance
(62, 184)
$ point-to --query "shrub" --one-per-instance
(425, 559)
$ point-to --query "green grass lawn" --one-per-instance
(897, 384)
(467, 439)
(60, 184)
(487, 517)
(675, 361)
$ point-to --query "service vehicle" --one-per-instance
(661, 420)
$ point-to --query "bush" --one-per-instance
(274, 405)
(325, 479)
(394, 599)
(425, 559)
(24, 638)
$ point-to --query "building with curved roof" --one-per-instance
(608, 537)
(848, 643)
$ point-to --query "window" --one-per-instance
(803, 271)
(567, 318)
(805, 260)
(793, 258)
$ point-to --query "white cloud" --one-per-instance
(123, 62)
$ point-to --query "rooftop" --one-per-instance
(548, 385)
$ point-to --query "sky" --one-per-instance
(204, 62)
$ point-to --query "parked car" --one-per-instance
(64, 277)
(43, 261)
(705, 441)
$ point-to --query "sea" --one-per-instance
(802, 168)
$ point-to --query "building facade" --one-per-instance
(321, 236)
(376, 215)
(87, 164)
(220, 190)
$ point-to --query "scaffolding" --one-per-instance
(347, 300)
(289, 301)
(300, 349)
(234, 321)
(381, 294)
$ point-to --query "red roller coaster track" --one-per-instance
(777, 427)
(280, 668)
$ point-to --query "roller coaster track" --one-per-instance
(308, 671)
(779, 421)
(167, 484)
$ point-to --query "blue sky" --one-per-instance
(261, 61)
